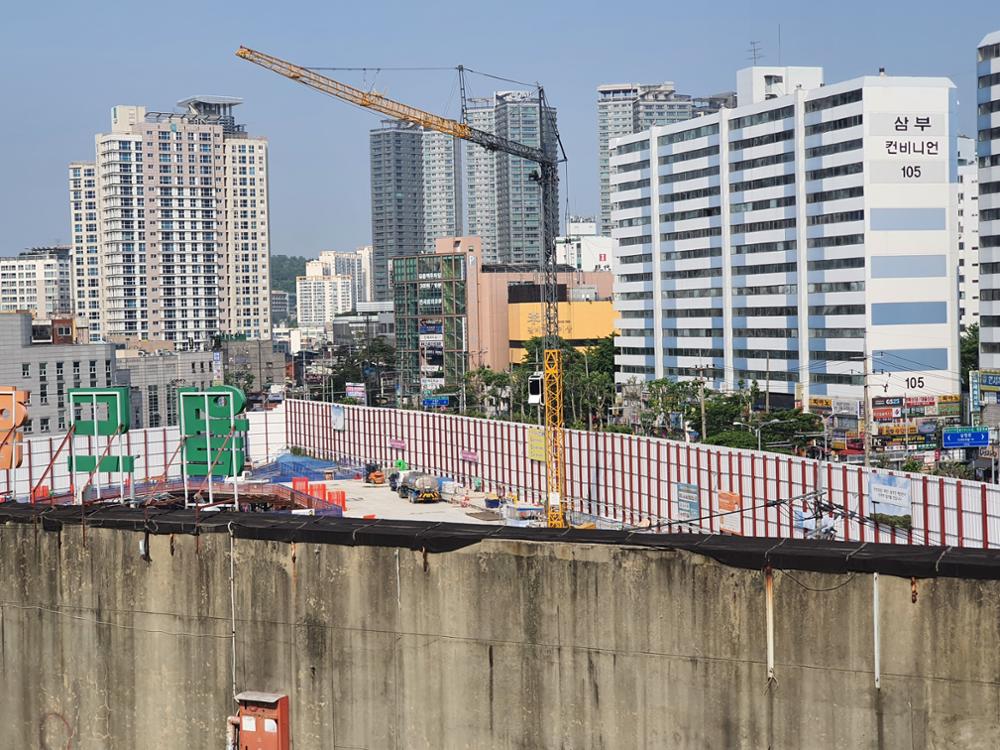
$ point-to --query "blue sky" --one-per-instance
(66, 64)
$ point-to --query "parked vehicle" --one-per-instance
(418, 487)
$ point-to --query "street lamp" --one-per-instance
(757, 430)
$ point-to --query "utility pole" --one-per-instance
(868, 419)
(701, 399)
(767, 386)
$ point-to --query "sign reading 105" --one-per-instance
(915, 382)
(910, 171)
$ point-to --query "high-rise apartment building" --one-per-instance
(37, 281)
(415, 194)
(626, 108)
(965, 193)
(170, 227)
(503, 200)
(355, 264)
(789, 239)
(988, 153)
(319, 297)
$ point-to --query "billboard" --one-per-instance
(536, 444)
(688, 501)
(338, 417)
(966, 437)
(889, 494)
(356, 391)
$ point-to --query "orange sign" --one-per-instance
(13, 413)
(730, 503)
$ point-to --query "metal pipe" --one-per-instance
(876, 633)
(232, 732)
(769, 599)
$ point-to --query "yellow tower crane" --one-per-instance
(548, 179)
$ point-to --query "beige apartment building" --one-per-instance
(170, 227)
(37, 281)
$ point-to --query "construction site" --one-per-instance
(336, 575)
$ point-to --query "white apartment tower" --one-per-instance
(503, 200)
(791, 238)
(988, 152)
(320, 297)
(966, 223)
(175, 241)
(37, 281)
(626, 108)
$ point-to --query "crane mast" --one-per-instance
(548, 179)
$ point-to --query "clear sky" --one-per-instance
(65, 64)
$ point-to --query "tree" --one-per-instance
(969, 353)
(239, 377)
(284, 270)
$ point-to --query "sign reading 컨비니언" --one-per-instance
(211, 421)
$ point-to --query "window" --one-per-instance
(762, 140)
(762, 205)
(837, 333)
(837, 310)
(836, 195)
(746, 312)
(763, 161)
(744, 291)
(764, 268)
(837, 241)
(25, 370)
(836, 100)
(766, 333)
(838, 171)
(43, 424)
(836, 218)
(689, 194)
(692, 175)
(763, 182)
(701, 252)
(764, 247)
(631, 148)
(691, 273)
(834, 148)
(691, 234)
(688, 135)
(837, 286)
(697, 213)
(827, 127)
(763, 226)
(688, 155)
(710, 312)
(834, 263)
(762, 117)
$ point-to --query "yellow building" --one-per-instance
(581, 323)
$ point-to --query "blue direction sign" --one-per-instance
(435, 402)
(966, 437)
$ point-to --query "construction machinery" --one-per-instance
(548, 178)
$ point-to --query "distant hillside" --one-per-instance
(284, 269)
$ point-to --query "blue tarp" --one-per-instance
(288, 466)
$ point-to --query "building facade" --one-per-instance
(355, 264)
(282, 305)
(583, 248)
(988, 156)
(966, 223)
(415, 194)
(320, 297)
(626, 108)
(42, 357)
(790, 239)
(153, 379)
(504, 201)
(38, 281)
(170, 227)
(454, 312)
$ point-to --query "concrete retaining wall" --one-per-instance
(499, 645)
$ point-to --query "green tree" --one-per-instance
(969, 353)
(239, 377)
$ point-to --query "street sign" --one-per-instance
(435, 401)
(966, 437)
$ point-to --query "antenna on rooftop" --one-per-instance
(755, 53)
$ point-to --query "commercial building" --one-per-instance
(966, 223)
(154, 377)
(988, 153)
(170, 226)
(38, 281)
(626, 108)
(583, 248)
(42, 357)
(792, 238)
(503, 201)
(454, 312)
(319, 298)
(415, 194)
(251, 364)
